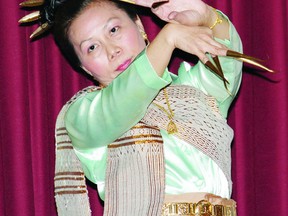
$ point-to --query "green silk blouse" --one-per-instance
(100, 117)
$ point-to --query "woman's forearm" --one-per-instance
(159, 52)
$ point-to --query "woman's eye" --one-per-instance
(114, 30)
(92, 48)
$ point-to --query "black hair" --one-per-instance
(64, 16)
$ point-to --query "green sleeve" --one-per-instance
(200, 77)
(102, 116)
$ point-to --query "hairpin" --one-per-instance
(44, 15)
(32, 3)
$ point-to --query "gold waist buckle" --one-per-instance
(202, 208)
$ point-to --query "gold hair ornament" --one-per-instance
(35, 16)
(30, 17)
(32, 3)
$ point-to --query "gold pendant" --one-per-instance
(172, 128)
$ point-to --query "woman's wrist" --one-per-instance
(218, 24)
(217, 20)
(212, 18)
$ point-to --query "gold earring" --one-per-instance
(145, 37)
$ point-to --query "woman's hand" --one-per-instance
(193, 13)
(195, 40)
(199, 12)
(188, 17)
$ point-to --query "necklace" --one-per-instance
(171, 127)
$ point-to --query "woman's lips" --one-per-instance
(124, 65)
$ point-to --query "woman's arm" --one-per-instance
(102, 116)
(195, 12)
(202, 78)
(205, 24)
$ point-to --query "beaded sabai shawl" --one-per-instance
(71, 194)
(135, 173)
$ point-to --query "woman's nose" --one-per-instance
(113, 51)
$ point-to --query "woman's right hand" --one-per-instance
(195, 40)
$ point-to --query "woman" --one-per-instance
(149, 139)
(137, 99)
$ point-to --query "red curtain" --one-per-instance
(36, 81)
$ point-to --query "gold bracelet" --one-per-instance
(217, 21)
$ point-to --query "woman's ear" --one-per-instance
(139, 23)
(87, 71)
(141, 29)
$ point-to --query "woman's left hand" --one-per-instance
(198, 11)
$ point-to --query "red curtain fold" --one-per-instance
(36, 81)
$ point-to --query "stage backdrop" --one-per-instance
(36, 81)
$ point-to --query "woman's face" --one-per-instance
(106, 40)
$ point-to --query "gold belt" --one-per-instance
(202, 208)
